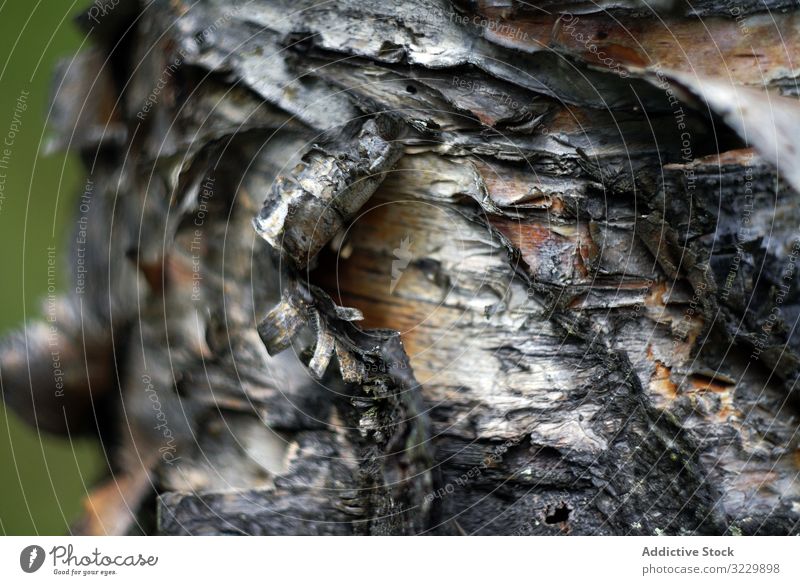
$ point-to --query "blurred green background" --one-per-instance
(43, 478)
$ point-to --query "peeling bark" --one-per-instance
(499, 283)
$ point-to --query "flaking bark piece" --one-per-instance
(387, 410)
(306, 209)
(323, 350)
(300, 307)
(282, 323)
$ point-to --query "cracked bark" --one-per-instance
(503, 285)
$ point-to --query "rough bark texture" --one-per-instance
(484, 267)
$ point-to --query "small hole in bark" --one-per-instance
(560, 514)
(411, 89)
(602, 35)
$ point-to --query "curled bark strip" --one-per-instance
(305, 210)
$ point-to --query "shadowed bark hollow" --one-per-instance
(483, 267)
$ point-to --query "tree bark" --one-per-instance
(422, 267)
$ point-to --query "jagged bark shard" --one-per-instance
(392, 428)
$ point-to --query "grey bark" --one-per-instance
(431, 268)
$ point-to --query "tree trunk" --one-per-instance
(478, 267)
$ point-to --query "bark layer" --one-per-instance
(521, 270)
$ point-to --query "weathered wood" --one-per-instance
(504, 285)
